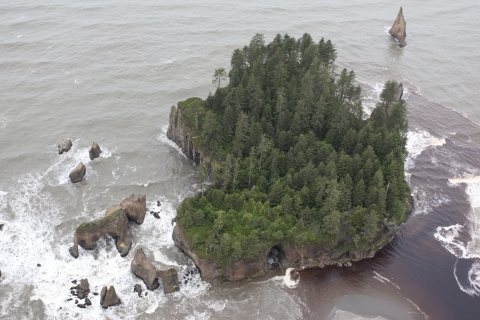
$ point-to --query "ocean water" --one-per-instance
(110, 71)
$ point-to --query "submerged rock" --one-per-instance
(135, 207)
(64, 146)
(111, 298)
(115, 224)
(138, 288)
(144, 269)
(398, 30)
(78, 173)
(94, 151)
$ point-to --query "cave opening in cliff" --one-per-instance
(275, 256)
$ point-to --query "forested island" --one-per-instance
(291, 170)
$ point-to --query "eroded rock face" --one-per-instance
(179, 134)
(110, 299)
(144, 269)
(94, 151)
(169, 280)
(78, 173)
(135, 207)
(64, 145)
(115, 224)
(399, 92)
(398, 30)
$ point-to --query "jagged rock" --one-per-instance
(135, 207)
(81, 305)
(170, 280)
(111, 298)
(103, 294)
(94, 151)
(156, 215)
(78, 173)
(64, 145)
(398, 30)
(115, 224)
(88, 302)
(144, 269)
(84, 286)
(95, 293)
(138, 288)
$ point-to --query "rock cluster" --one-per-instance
(64, 146)
(108, 297)
(81, 291)
(144, 269)
(94, 151)
(78, 173)
(398, 30)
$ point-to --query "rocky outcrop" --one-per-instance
(181, 135)
(78, 173)
(94, 151)
(135, 207)
(398, 30)
(144, 269)
(64, 145)
(115, 224)
(399, 91)
(170, 280)
(290, 256)
(109, 297)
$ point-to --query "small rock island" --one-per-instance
(398, 30)
(292, 173)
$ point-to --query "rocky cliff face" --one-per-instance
(181, 135)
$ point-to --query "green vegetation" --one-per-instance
(96, 225)
(291, 156)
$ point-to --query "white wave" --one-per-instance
(425, 202)
(286, 280)
(3, 122)
(383, 279)
(163, 138)
(417, 142)
(345, 315)
(371, 97)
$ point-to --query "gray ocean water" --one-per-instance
(109, 71)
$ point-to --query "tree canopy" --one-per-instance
(292, 157)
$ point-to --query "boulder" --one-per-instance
(94, 151)
(64, 145)
(115, 224)
(170, 280)
(156, 215)
(111, 298)
(103, 294)
(138, 288)
(78, 173)
(0, 273)
(1, 226)
(398, 30)
(144, 269)
(135, 207)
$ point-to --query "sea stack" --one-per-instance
(64, 145)
(94, 151)
(78, 173)
(398, 30)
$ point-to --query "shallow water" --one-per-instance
(109, 73)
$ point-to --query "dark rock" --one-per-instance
(156, 215)
(76, 301)
(1, 226)
(159, 203)
(95, 293)
(78, 173)
(39, 265)
(111, 298)
(64, 145)
(399, 91)
(135, 207)
(81, 305)
(115, 224)
(88, 302)
(81, 295)
(94, 151)
(103, 294)
(138, 288)
(0, 273)
(170, 280)
(146, 293)
(69, 299)
(398, 29)
(144, 269)
(84, 285)
(74, 281)
(73, 293)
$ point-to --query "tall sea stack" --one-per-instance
(398, 30)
